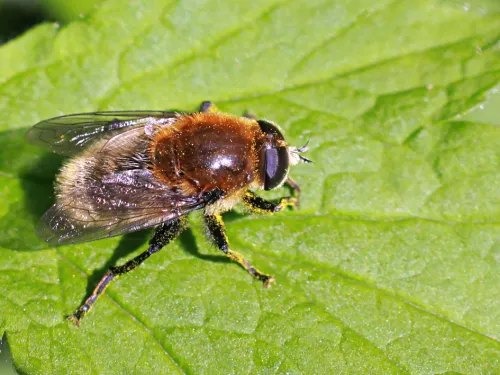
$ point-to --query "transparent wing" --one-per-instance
(70, 134)
(122, 202)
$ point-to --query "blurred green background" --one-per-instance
(17, 16)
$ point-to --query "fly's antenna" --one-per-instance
(304, 148)
(306, 160)
(298, 151)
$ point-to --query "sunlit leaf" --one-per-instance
(390, 267)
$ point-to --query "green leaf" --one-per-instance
(67, 11)
(390, 267)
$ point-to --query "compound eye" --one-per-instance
(276, 167)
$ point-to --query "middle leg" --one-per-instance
(217, 231)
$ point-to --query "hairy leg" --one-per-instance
(217, 231)
(163, 234)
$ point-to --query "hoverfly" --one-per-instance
(134, 170)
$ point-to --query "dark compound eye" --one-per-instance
(276, 163)
(276, 167)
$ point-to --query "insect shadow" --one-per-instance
(188, 243)
(29, 182)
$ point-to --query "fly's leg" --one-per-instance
(208, 106)
(217, 231)
(294, 185)
(163, 234)
(296, 190)
(262, 206)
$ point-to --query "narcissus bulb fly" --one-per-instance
(134, 170)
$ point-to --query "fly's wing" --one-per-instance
(70, 134)
(123, 202)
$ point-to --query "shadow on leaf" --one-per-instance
(188, 243)
(34, 169)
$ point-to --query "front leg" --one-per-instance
(296, 190)
(294, 185)
(260, 205)
(218, 235)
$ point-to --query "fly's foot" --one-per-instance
(287, 202)
(267, 280)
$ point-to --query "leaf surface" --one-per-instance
(391, 265)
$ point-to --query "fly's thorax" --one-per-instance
(202, 151)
